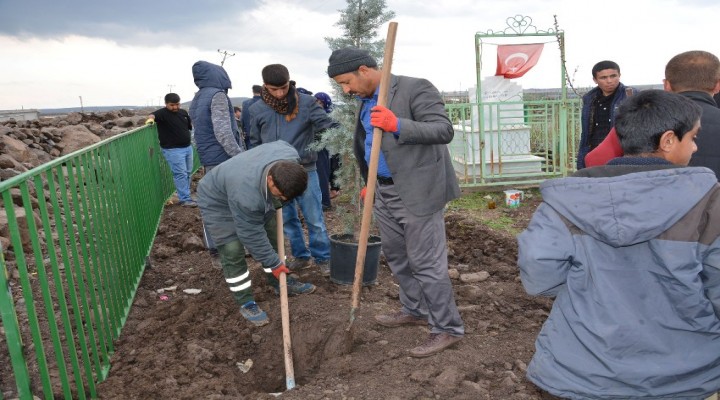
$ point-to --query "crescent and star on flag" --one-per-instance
(514, 60)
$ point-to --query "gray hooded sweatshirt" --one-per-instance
(633, 257)
(235, 201)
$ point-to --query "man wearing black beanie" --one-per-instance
(415, 180)
(283, 113)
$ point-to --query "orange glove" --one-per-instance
(362, 194)
(280, 269)
(383, 118)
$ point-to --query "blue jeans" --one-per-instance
(180, 161)
(311, 207)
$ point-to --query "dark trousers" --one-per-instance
(235, 268)
(323, 171)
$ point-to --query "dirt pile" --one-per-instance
(184, 346)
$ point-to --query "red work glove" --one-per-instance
(362, 194)
(280, 269)
(383, 118)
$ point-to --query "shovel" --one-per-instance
(372, 177)
(287, 344)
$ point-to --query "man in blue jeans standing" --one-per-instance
(284, 114)
(174, 125)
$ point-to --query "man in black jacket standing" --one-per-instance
(696, 74)
(173, 125)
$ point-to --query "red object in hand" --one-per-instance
(381, 117)
(280, 269)
(362, 194)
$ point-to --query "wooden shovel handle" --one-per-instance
(284, 311)
(372, 171)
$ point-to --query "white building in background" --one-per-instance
(19, 115)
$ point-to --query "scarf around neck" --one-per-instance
(287, 106)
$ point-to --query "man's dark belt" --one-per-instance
(385, 180)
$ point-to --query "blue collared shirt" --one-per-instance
(367, 105)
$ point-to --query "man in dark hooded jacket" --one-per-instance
(216, 133)
(217, 137)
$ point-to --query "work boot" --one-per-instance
(435, 343)
(398, 319)
(254, 314)
(298, 263)
(189, 203)
(296, 287)
(324, 267)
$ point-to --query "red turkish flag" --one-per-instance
(514, 60)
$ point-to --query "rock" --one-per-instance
(6, 174)
(198, 353)
(4, 242)
(474, 387)
(39, 157)
(450, 377)
(116, 130)
(95, 128)
(125, 122)
(475, 277)
(14, 148)
(193, 243)
(482, 326)
(462, 267)
(6, 161)
(74, 118)
(77, 137)
(4, 130)
(454, 274)
(21, 219)
(421, 375)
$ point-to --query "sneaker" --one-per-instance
(190, 203)
(398, 319)
(296, 287)
(435, 343)
(298, 263)
(254, 314)
(324, 267)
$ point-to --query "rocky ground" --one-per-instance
(27, 144)
(184, 346)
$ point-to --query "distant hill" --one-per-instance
(236, 101)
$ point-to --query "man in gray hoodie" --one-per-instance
(631, 250)
(238, 201)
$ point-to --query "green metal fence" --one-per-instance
(518, 142)
(80, 228)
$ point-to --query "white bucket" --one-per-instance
(512, 198)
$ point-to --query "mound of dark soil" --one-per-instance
(192, 346)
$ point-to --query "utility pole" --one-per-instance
(225, 55)
(82, 110)
(170, 88)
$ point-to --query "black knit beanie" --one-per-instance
(275, 74)
(349, 59)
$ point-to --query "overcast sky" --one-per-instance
(132, 52)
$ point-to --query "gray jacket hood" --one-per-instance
(628, 209)
(207, 74)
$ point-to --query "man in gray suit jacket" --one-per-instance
(415, 181)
